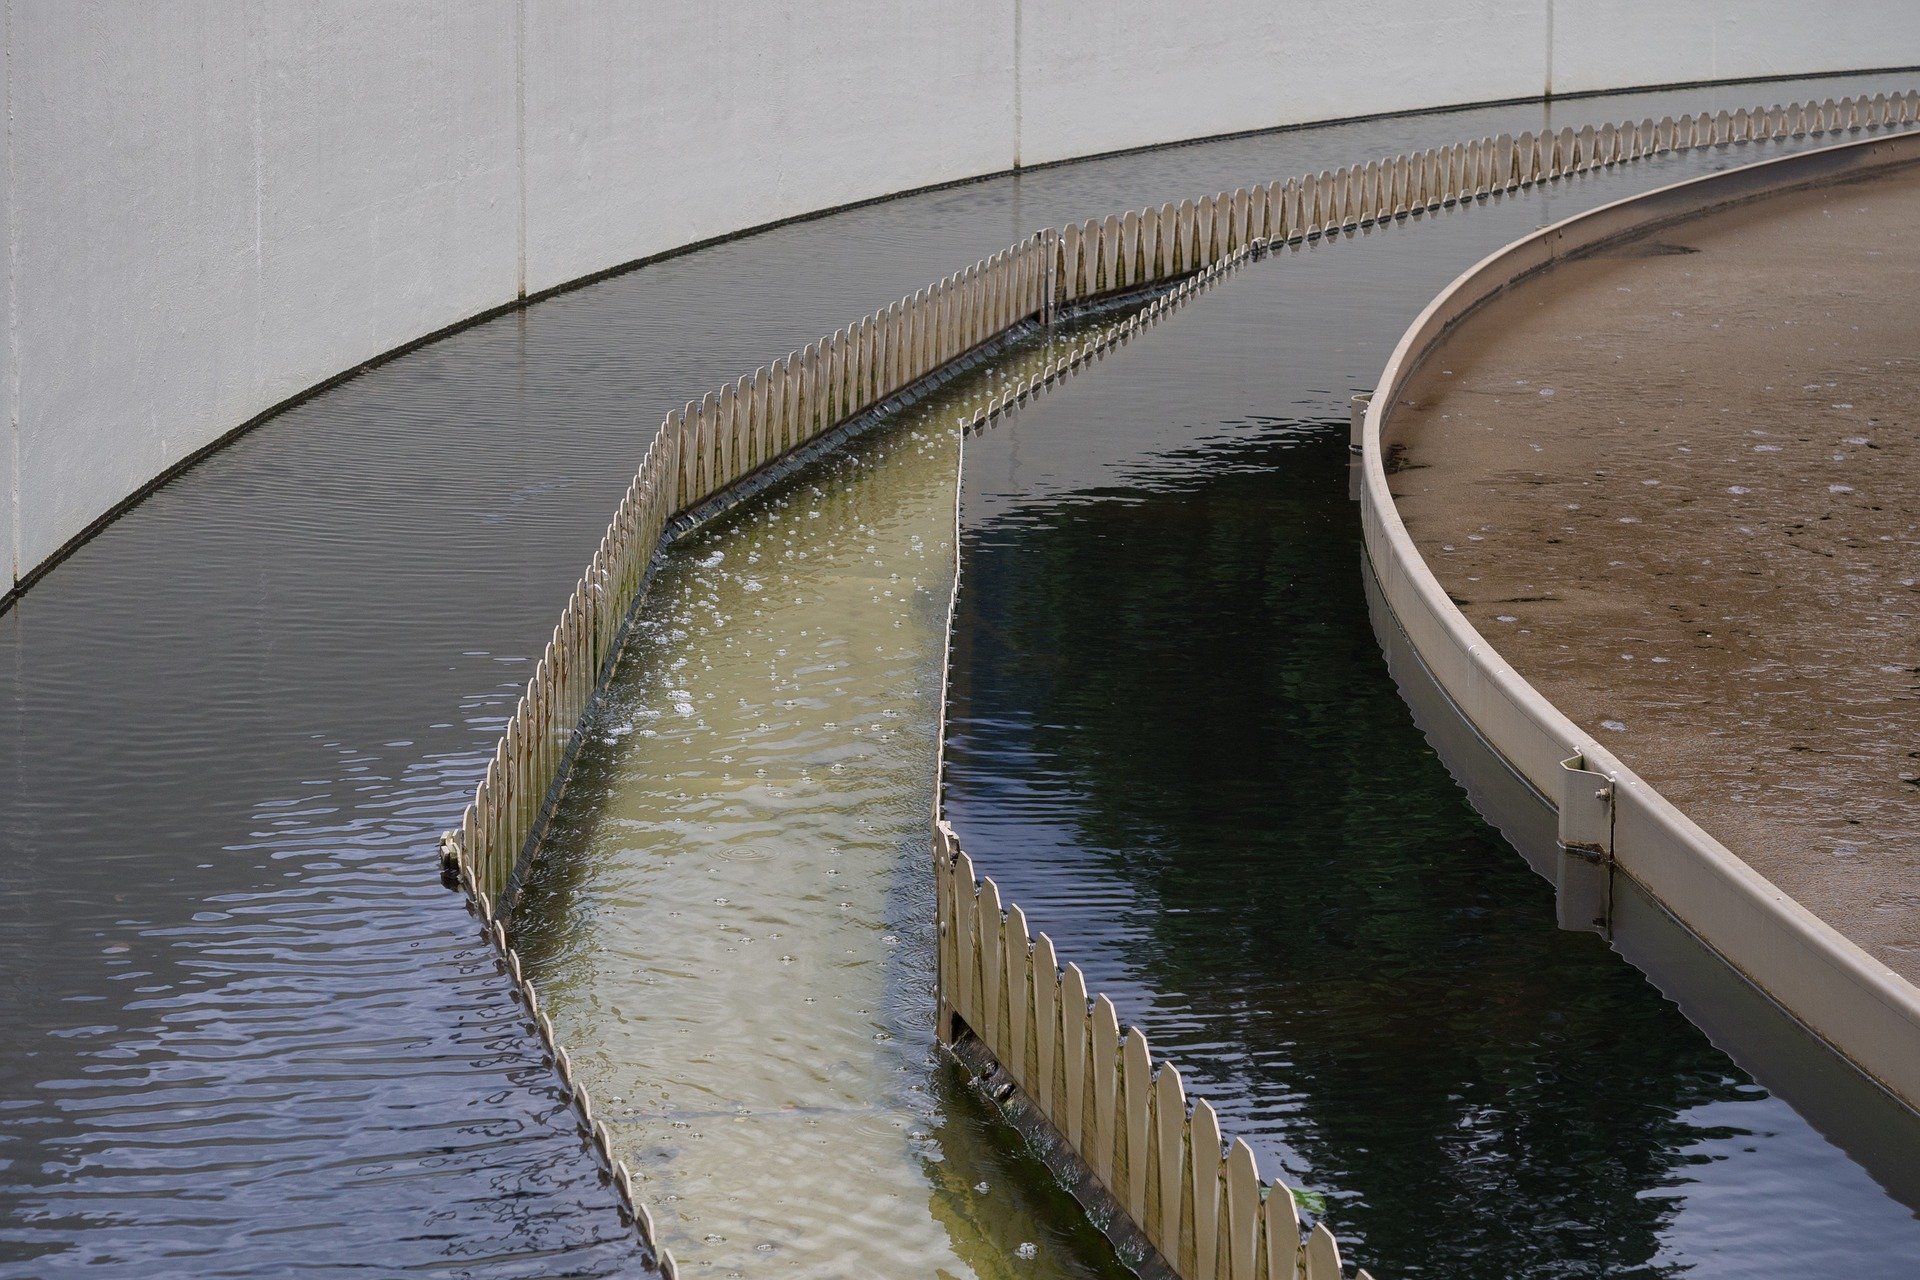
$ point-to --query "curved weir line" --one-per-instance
(736, 442)
(1090, 1093)
(1611, 821)
(494, 920)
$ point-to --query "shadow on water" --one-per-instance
(1841, 1102)
(1173, 742)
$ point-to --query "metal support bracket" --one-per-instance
(1356, 432)
(1583, 879)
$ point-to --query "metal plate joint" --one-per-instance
(1583, 880)
(1357, 419)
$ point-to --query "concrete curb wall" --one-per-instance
(1611, 821)
(213, 210)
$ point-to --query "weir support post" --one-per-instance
(1356, 431)
(945, 941)
(1050, 248)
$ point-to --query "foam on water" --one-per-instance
(731, 923)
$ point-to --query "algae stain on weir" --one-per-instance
(730, 922)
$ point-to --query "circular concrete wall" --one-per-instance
(210, 213)
(1612, 823)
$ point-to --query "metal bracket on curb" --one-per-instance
(1356, 434)
(1583, 880)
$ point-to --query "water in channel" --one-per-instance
(246, 1031)
(1173, 742)
(731, 920)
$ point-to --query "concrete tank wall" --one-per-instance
(1144, 72)
(1604, 44)
(213, 207)
(654, 126)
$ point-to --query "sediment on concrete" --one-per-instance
(1613, 821)
(1677, 482)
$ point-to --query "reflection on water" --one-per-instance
(1172, 740)
(245, 1031)
(731, 920)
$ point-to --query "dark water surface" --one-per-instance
(1173, 742)
(245, 1031)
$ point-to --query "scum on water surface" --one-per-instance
(730, 923)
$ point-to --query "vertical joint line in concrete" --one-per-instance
(13, 317)
(1016, 83)
(520, 138)
(1547, 84)
(256, 20)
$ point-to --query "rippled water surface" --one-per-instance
(246, 1032)
(1173, 743)
(732, 919)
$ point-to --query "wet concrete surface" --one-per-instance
(1677, 485)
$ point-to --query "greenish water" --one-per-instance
(731, 924)
(1174, 743)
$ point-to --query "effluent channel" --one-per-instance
(250, 1033)
(731, 917)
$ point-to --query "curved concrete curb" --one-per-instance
(1611, 821)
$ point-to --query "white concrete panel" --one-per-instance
(1595, 45)
(1130, 73)
(653, 126)
(389, 185)
(10, 565)
(218, 206)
